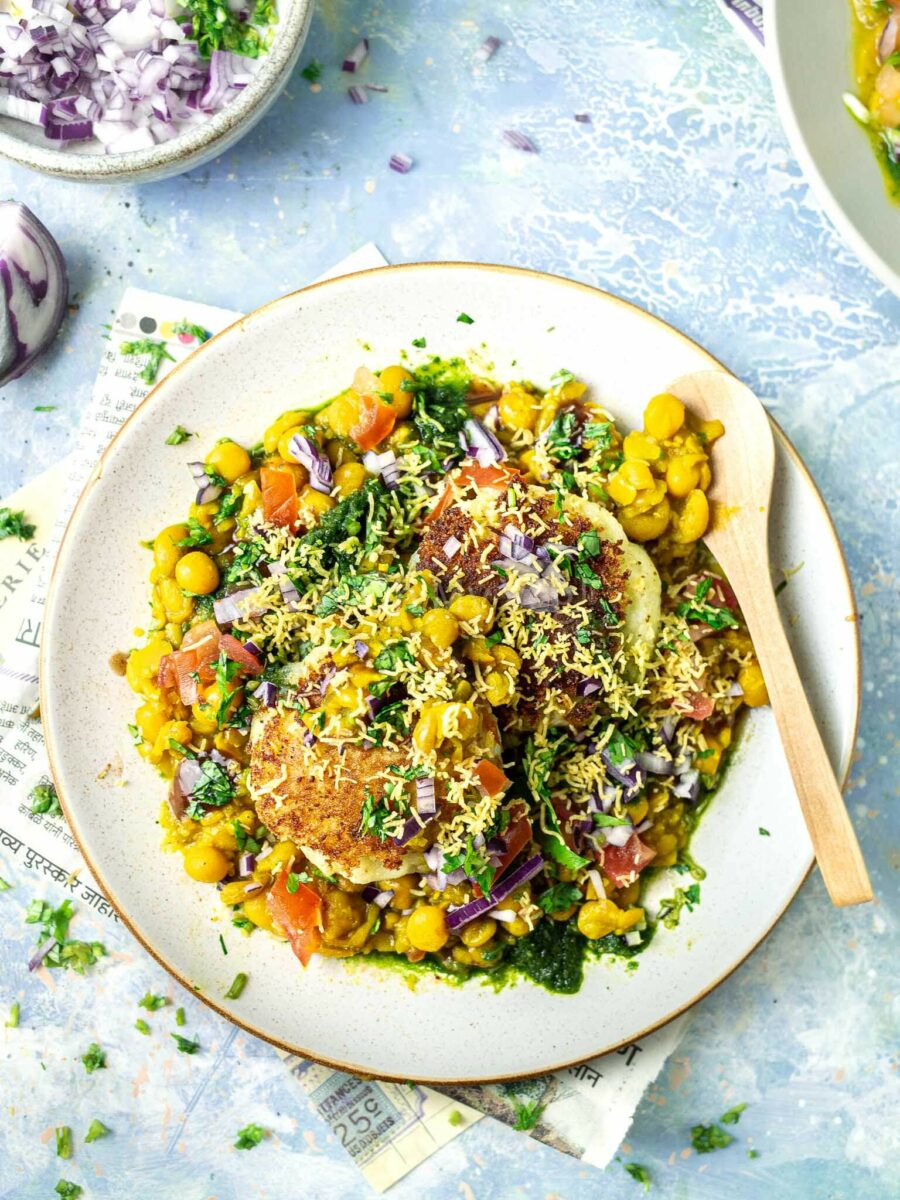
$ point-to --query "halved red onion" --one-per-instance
(356, 56)
(457, 917)
(34, 287)
(426, 801)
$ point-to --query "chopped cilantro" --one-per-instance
(753, 1154)
(465, 319)
(764, 832)
(559, 897)
(178, 435)
(14, 524)
(44, 800)
(141, 1026)
(639, 1174)
(237, 986)
(779, 588)
(136, 736)
(528, 1114)
(96, 1129)
(45, 408)
(212, 790)
(197, 534)
(312, 72)
(13, 1020)
(152, 1003)
(373, 816)
(196, 331)
(217, 27)
(154, 352)
(419, 343)
(249, 1136)
(416, 610)
(94, 1058)
(185, 1045)
(561, 377)
(560, 440)
(294, 879)
(63, 1141)
(733, 1115)
(222, 944)
(607, 821)
(671, 909)
(475, 863)
(455, 1117)
(54, 922)
(706, 1138)
(68, 1190)
(179, 1016)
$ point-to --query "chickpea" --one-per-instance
(642, 446)
(474, 611)
(664, 416)
(425, 734)
(257, 910)
(166, 551)
(710, 431)
(441, 626)
(597, 918)
(229, 460)
(635, 472)
(753, 685)
(287, 420)
(620, 491)
(143, 666)
(644, 527)
(392, 380)
(478, 932)
(690, 524)
(205, 863)
(313, 505)
(683, 474)
(284, 444)
(178, 606)
(518, 409)
(427, 928)
(349, 477)
(150, 719)
(197, 573)
(498, 688)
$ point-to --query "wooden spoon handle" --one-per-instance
(833, 836)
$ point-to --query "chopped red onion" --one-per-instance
(426, 802)
(361, 648)
(487, 49)
(372, 895)
(246, 863)
(377, 87)
(583, 118)
(401, 163)
(519, 141)
(654, 763)
(735, 689)
(515, 545)
(457, 917)
(889, 39)
(315, 460)
(356, 56)
(33, 289)
(358, 95)
(410, 829)
(627, 773)
(238, 606)
(41, 953)
(451, 547)
(667, 729)
(541, 596)
(478, 442)
(506, 915)
(266, 694)
(289, 592)
(617, 835)
(385, 465)
(208, 491)
(587, 687)
(688, 786)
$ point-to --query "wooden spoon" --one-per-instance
(743, 465)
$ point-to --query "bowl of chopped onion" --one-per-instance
(136, 90)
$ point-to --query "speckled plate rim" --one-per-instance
(793, 126)
(186, 148)
(304, 1052)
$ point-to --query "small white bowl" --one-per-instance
(26, 144)
(810, 63)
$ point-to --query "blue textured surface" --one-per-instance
(683, 196)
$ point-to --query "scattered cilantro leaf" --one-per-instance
(249, 1136)
(753, 1154)
(465, 319)
(4, 886)
(559, 897)
(13, 1020)
(186, 1045)
(152, 1003)
(63, 1141)
(197, 535)
(142, 1027)
(216, 27)
(179, 1016)
(706, 1138)
(528, 1114)
(213, 790)
(639, 1174)
(733, 1115)
(764, 832)
(45, 408)
(294, 879)
(312, 72)
(96, 1129)
(94, 1058)
(44, 800)
(14, 524)
(54, 922)
(419, 343)
(178, 435)
(154, 352)
(68, 1190)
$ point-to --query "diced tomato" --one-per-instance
(194, 663)
(701, 706)
(624, 863)
(279, 493)
(376, 421)
(517, 837)
(497, 476)
(245, 659)
(299, 914)
(490, 776)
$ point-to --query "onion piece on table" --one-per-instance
(35, 288)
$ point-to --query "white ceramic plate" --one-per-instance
(809, 56)
(357, 1016)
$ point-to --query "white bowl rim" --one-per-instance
(838, 215)
(238, 325)
(289, 32)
